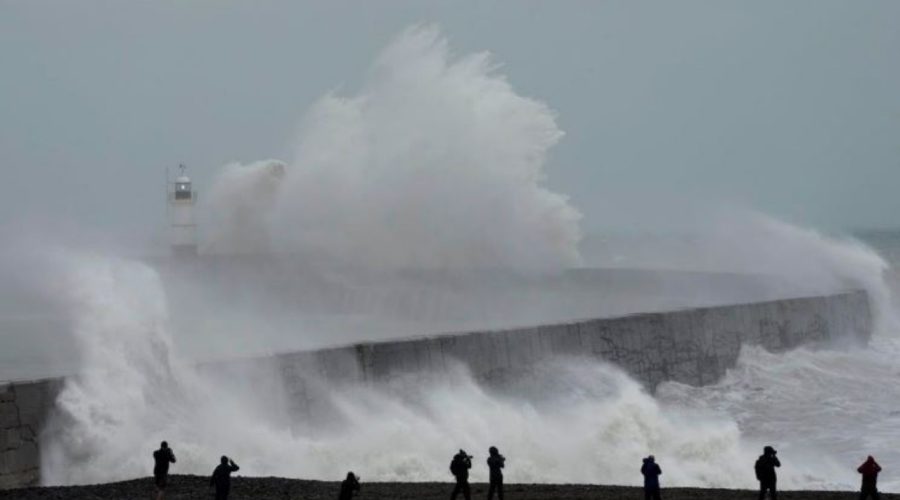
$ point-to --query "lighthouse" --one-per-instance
(183, 231)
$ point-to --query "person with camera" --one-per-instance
(765, 472)
(651, 472)
(221, 477)
(459, 467)
(161, 460)
(349, 486)
(495, 463)
(869, 470)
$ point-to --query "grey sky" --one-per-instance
(789, 107)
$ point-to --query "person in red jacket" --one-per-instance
(869, 470)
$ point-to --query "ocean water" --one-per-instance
(438, 163)
(827, 407)
(570, 420)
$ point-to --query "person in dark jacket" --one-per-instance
(651, 472)
(349, 486)
(221, 477)
(460, 466)
(765, 472)
(161, 460)
(869, 470)
(495, 463)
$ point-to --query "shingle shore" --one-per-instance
(273, 488)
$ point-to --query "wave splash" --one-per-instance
(559, 424)
(435, 163)
(570, 420)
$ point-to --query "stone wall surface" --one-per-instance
(24, 406)
(693, 346)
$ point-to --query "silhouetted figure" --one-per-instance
(765, 472)
(221, 477)
(869, 470)
(651, 472)
(161, 460)
(460, 466)
(495, 463)
(349, 486)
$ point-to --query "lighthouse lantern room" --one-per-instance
(183, 230)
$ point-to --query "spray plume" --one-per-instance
(436, 163)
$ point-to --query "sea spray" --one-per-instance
(234, 219)
(802, 260)
(133, 391)
(568, 420)
(827, 408)
(559, 422)
(755, 243)
(436, 162)
(118, 318)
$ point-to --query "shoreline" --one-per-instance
(183, 487)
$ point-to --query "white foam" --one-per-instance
(569, 421)
(435, 162)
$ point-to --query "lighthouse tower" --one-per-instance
(183, 230)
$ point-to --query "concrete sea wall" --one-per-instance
(693, 346)
(24, 407)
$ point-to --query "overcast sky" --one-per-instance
(792, 108)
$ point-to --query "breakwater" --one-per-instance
(694, 346)
(24, 408)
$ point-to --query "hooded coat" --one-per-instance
(765, 468)
(460, 466)
(651, 472)
(869, 470)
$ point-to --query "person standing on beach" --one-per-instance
(869, 470)
(221, 477)
(459, 467)
(651, 472)
(161, 460)
(765, 472)
(349, 486)
(495, 463)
